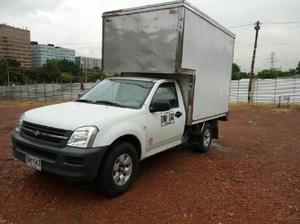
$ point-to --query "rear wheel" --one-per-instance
(118, 169)
(201, 143)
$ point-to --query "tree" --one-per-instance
(66, 77)
(235, 71)
(298, 68)
(273, 73)
(50, 71)
(16, 73)
(13, 63)
(267, 74)
(3, 71)
(237, 74)
(94, 74)
(68, 66)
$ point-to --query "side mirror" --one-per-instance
(159, 106)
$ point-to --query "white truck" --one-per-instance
(170, 69)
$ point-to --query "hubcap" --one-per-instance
(207, 138)
(122, 169)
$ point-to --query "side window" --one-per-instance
(166, 92)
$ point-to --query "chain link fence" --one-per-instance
(44, 92)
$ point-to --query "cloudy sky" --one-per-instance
(77, 24)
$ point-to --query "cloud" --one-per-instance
(77, 24)
(21, 7)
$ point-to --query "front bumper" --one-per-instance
(68, 161)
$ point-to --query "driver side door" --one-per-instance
(165, 128)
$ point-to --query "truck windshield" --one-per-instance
(119, 92)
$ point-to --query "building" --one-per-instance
(42, 52)
(15, 44)
(65, 53)
(88, 63)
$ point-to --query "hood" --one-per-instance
(72, 115)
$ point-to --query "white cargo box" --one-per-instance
(173, 40)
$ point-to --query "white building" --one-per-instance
(88, 63)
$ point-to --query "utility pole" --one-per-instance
(256, 28)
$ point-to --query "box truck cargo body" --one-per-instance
(173, 40)
(169, 68)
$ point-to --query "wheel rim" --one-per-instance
(122, 169)
(207, 138)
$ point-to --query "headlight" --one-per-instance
(83, 137)
(19, 123)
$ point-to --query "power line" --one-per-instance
(238, 26)
(280, 23)
(274, 23)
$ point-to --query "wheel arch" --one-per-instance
(130, 138)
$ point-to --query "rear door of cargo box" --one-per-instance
(141, 41)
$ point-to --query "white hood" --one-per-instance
(72, 115)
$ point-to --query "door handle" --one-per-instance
(178, 114)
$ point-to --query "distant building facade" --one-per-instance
(15, 44)
(42, 52)
(65, 53)
(88, 63)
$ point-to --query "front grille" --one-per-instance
(45, 134)
(27, 149)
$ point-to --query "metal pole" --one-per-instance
(275, 92)
(20, 91)
(27, 90)
(36, 92)
(256, 28)
(85, 76)
(44, 91)
(294, 88)
(71, 90)
(238, 91)
(62, 91)
(52, 90)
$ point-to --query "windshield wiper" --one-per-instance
(84, 101)
(105, 102)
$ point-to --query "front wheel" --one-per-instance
(118, 169)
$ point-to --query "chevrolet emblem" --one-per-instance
(36, 133)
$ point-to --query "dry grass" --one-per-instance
(263, 106)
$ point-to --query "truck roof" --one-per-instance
(167, 5)
(149, 79)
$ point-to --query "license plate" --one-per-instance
(34, 162)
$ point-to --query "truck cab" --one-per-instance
(143, 116)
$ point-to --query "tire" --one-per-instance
(204, 139)
(117, 170)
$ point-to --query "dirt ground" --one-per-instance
(250, 175)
